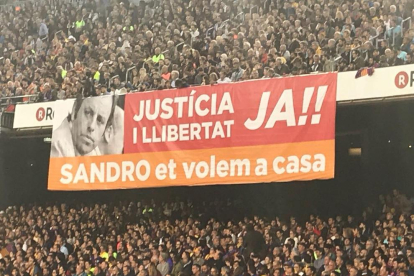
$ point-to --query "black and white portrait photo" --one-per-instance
(95, 126)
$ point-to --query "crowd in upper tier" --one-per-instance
(57, 49)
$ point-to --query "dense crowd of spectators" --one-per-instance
(57, 50)
(182, 239)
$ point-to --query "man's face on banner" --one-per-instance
(90, 123)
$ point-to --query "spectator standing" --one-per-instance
(253, 241)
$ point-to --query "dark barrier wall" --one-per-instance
(384, 131)
(26, 166)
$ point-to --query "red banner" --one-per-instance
(231, 115)
(257, 131)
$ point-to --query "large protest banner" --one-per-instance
(250, 132)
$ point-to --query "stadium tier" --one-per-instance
(127, 127)
(59, 49)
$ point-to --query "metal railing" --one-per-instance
(224, 24)
(402, 25)
(7, 117)
(127, 73)
(393, 38)
(391, 33)
(178, 45)
(335, 62)
(110, 80)
(374, 37)
(386, 33)
(212, 28)
(238, 15)
(265, 3)
(24, 99)
(378, 41)
(374, 40)
(31, 97)
(254, 7)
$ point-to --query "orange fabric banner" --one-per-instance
(280, 162)
(257, 131)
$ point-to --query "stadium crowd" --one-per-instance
(55, 49)
(182, 239)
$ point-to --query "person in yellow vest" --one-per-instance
(157, 56)
(126, 28)
(111, 252)
(62, 71)
(147, 210)
(103, 254)
(79, 24)
(97, 76)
